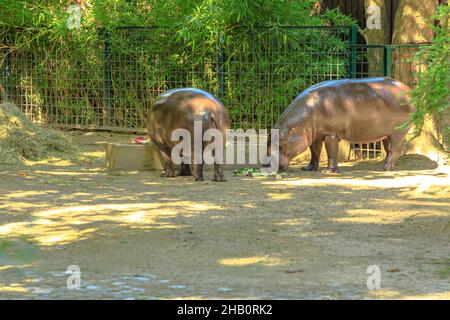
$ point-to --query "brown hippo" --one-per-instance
(357, 110)
(178, 109)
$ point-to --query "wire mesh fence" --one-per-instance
(256, 73)
(112, 85)
(141, 63)
(396, 61)
(263, 78)
(52, 87)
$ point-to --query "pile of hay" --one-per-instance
(22, 140)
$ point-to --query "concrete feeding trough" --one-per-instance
(146, 156)
(132, 156)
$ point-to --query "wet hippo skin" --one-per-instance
(357, 110)
(178, 109)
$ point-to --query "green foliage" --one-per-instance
(433, 89)
(67, 79)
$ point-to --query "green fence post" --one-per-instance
(352, 57)
(107, 82)
(5, 75)
(221, 69)
(387, 60)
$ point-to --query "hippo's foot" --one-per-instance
(184, 173)
(384, 168)
(331, 170)
(311, 167)
(219, 178)
(196, 178)
(168, 174)
(192, 178)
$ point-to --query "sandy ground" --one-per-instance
(135, 235)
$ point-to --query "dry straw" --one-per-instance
(22, 140)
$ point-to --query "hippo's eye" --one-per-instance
(282, 146)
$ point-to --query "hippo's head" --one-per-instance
(279, 160)
(284, 158)
(290, 144)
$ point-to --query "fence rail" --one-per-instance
(256, 73)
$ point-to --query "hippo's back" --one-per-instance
(360, 97)
(179, 108)
(358, 110)
(175, 98)
(353, 98)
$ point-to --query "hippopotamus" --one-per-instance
(357, 110)
(178, 109)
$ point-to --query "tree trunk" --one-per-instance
(411, 25)
(412, 20)
(375, 35)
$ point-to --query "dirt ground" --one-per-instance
(135, 235)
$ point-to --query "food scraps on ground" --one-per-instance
(252, 172)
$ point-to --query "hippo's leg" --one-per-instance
(218, 169)
(386, 146)
(332, 147)
(218, 173)
(198, 172)
(316, 149)
(168, 165)
(185, 170)
(165, 153)
(386, 149)
(395, 150)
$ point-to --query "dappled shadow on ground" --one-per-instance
(308, 235)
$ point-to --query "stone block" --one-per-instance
(130, 156)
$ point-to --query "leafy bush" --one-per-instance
(433, 90)
(265, 64)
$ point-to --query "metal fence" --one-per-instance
(256, 73)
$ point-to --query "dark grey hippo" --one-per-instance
(178, 109)
(359, 110)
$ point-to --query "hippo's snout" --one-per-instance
(283, 162)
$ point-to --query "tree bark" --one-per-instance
(376, 36)
(411, 26)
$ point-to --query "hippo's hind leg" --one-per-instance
(332, 147)
(218, 169)
(386, 149)
(185, 170)
(198, 172)
(168, 165)
(395, 149)
(218, 173)
(386, 146)
(316, 149)
(165, 153)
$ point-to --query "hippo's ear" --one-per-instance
(297, 143)
(283, 132)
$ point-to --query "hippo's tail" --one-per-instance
(209, 121)
(213, 121)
